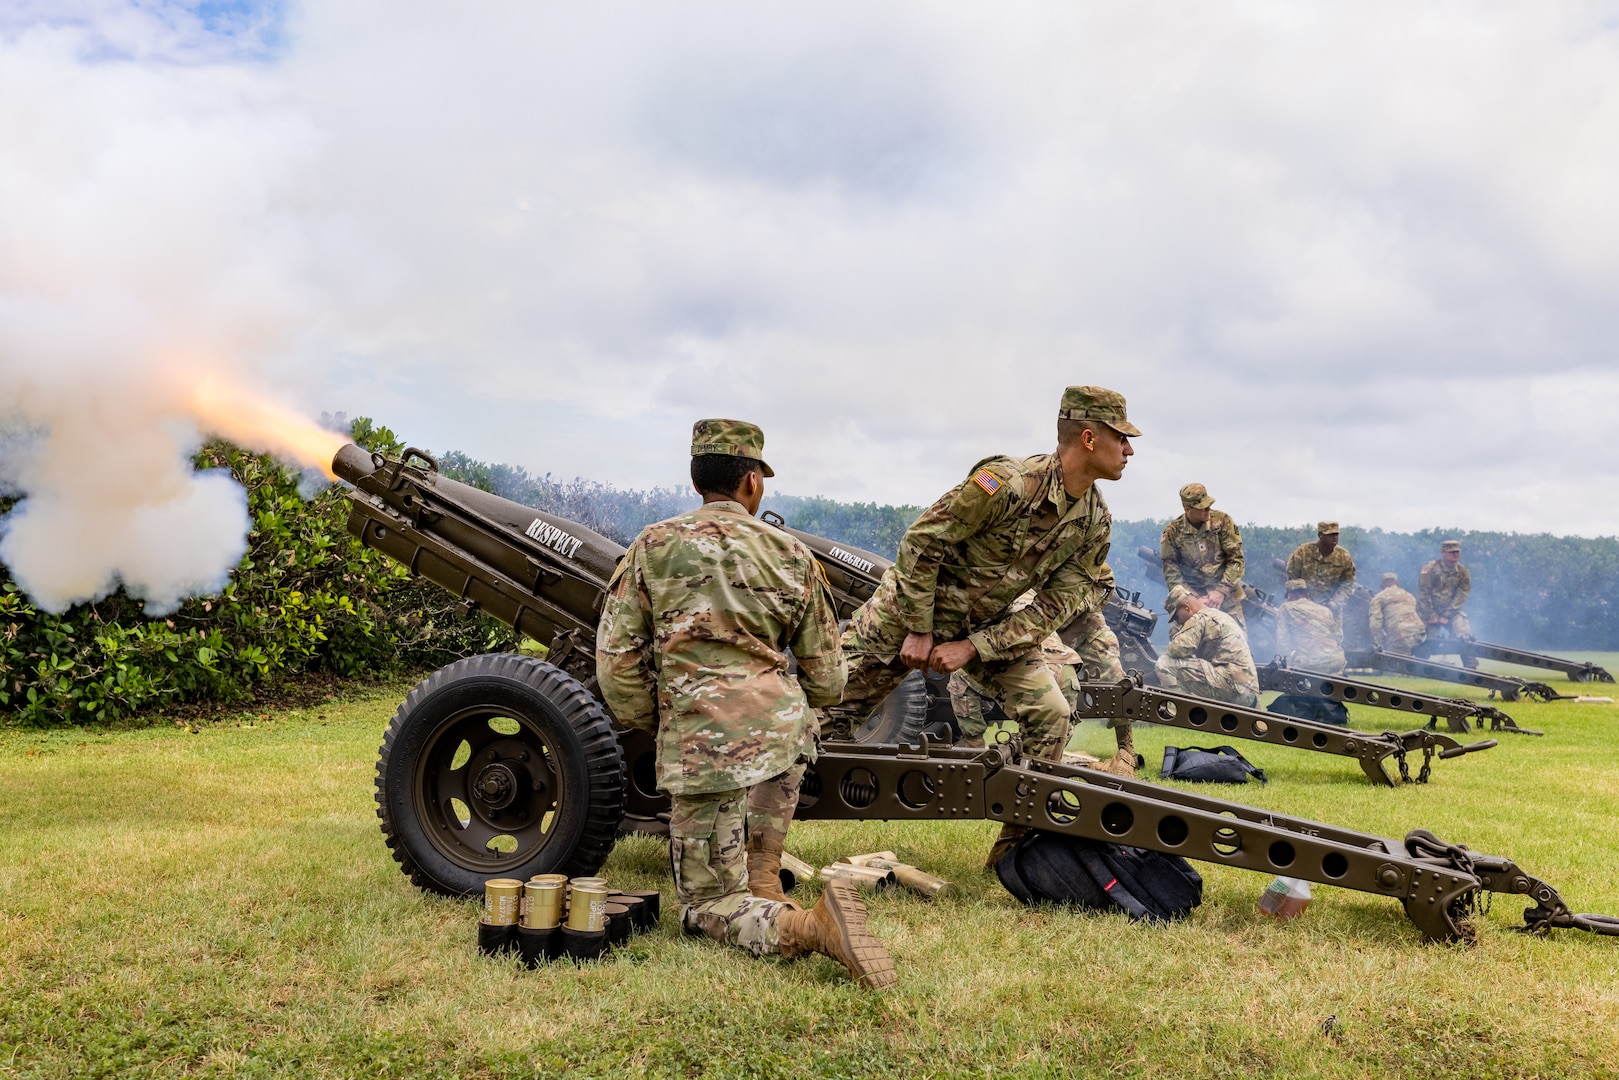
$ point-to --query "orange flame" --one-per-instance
(234, 414)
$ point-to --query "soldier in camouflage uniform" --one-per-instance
(1208, 652)
(1442, 590)
(1328, 571)
(1396, 627)
(1307, 633)
(1202, 550)
(692, 646)
(1013, 525)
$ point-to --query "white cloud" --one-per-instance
(1346, 261)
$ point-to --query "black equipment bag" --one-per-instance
(1051, 868)
(1309, 707)
(1209, 765)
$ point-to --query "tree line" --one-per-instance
(307, 598)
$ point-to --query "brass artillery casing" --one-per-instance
(542, 904)
(865, 878)
(918, 881)
(794, 872)
(502, 901)
(588, 909)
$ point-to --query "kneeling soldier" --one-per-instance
(1307, 634)
(1208, 652)
(1396, 627)
(693, 646)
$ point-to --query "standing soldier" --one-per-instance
(1202, 550)
(692, 646)
(1395, 625)
(1014, 525)
(1307, 633)
(1208, 652)
(1327, 571)
(1442, 590)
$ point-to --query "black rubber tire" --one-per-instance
(899, 719)
(554, 712)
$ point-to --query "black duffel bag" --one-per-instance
(1049, 868)
(1208, 765)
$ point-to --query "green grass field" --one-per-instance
(219, 902)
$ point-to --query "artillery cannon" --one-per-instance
(508, 765)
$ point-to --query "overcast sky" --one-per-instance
(1357, 261)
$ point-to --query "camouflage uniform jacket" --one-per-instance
(1203, 557)
(1307, 637)
(692, 646)
(1215, 636)
(1331, 579)
(1009, 528)
(1393, 617)
(1442, 589)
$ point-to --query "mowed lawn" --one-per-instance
(219, 902)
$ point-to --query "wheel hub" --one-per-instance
(497, 785)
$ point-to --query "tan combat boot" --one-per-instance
(836, 927)
(764, 867)
(1126, 761)
(1010, 835)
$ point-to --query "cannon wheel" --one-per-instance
(900, 717)
(498, 766)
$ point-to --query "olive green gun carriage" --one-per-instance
(508, 765)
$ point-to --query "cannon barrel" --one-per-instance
(542, 575)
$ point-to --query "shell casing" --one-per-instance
(560, 879)
(502, 901)
(587, 910)
(542, 904)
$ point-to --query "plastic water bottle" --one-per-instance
(1285, 898)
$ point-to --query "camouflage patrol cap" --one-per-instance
(1297, 584)
(1451, 545)
(1099, 404)
(1390, 575)
(738, 438)
(1176, 595)
(1326, 528)
(1196, 497)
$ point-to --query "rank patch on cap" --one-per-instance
(986, 480)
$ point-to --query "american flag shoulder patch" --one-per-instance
(986, 480)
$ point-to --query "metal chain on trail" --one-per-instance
(1405, 769)
(1399, 756)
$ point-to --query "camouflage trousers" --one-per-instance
(1216, 682)
(1458, 627)
(1098, 647)
(707, 834)
(967, 699)
(772, 803)
(1025, 686)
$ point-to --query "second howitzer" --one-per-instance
(509, 766)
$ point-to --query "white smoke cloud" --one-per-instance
(1351, 262)
(146, 246)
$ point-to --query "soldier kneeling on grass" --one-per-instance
(1208, 652)
(693, 646)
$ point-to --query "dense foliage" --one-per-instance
(305, 598)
